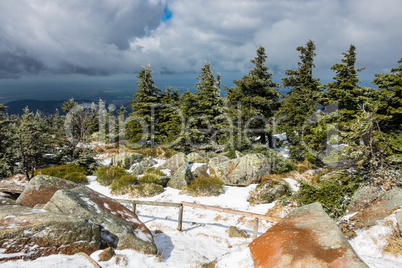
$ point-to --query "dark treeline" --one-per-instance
(317, 118)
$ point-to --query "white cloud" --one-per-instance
(111, 36)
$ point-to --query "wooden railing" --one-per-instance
(256, 216)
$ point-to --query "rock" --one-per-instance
(164, 180)
(236, 232)
(107, 254)
(6, 201)
(238, 154)
(215, 161)
(143, 165)
(41, 188)
(126, 160)
(363, 197)
(378, 210)
(181, 178)
(196, 158)
(243, 171)
(32, 233)
(201, 171)
(307, 237)
(269, 191)
(9, 186)
(120, 227)
(174, 163)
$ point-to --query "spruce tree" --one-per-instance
(169, 117)
(143, 103)
(204, 123)
(344, 89)
(301, 101)
(387, 102)
(257, 96)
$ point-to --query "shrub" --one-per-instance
(154, 171)
(334, 193)
(108, 174)
(61, 171)
(122, 185)
(145, 190)
(76, 177)
(149, 178)
(205, 186)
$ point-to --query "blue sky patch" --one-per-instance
(167, 14)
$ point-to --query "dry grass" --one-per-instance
(394, 241)
(279, 210)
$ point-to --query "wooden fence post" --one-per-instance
(255, 230)
(134, 207)
(180, 220)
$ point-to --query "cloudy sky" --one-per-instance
(53, 48)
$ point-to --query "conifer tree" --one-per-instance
(204, 122)
(257, 95)
(344, 89)
(300, 102)
(32, 137)
(387, 102)
(143, 103)
(169, 117)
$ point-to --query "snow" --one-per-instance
(204, 238)
(294, 185)
(368, 245)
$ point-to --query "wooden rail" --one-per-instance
(256, 216)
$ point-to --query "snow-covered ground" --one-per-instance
(204, 238)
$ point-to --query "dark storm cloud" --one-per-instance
(57, 36)
(100, 37)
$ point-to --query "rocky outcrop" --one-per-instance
(120, 227)
(126, 160)
(268, 191)
(30, 233)
(215, 161)
(378, 210)
(200, 171)
(364, 197)
(196, 158)
(143, 165)
(6, 201)
(174, 163)
(41, 188)
(307, 237)
(181, 177)
(242, 171)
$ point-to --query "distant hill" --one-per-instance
(46, 107)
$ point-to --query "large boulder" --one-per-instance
(268, 191)
(199, 170)
(196, 158)
(120, 227)
(174, 163)
(181, 178)
(41, 188)
(126, 160)
(363, 197)
(6, 201)
(378, 210)
(243, 171)
(27, 233)
(215, 161)
(307, 237)
(143, 165)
